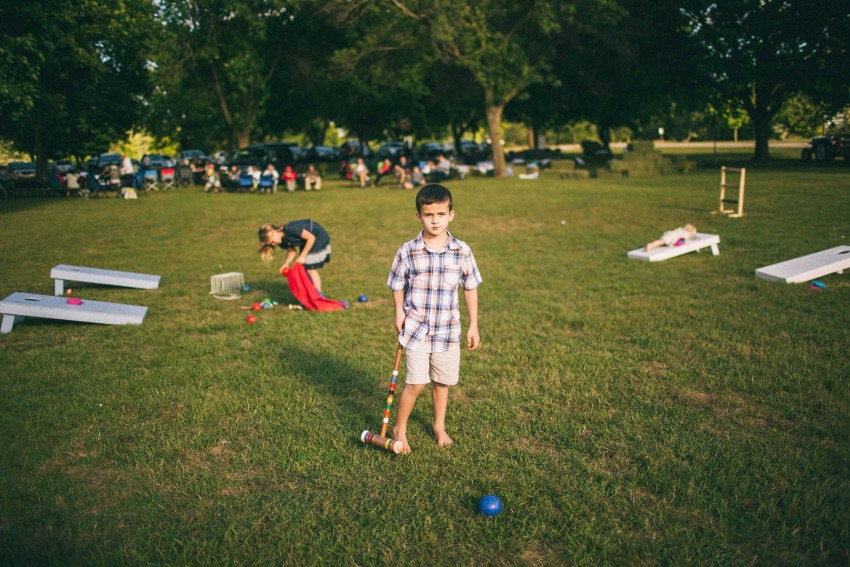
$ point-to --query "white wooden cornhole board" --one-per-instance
(805, 268)
(19, 305)
(63, 274)
(700, 241)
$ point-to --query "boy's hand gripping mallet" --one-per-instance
(380, 440)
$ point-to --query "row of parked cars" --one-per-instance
(259, 155)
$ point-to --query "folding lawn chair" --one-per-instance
(167, 177)
(246, 182)
(266, 183)
(150, 180)
(184, 176)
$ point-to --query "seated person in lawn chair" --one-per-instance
(57, 183)
(212, 179)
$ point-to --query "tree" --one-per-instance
(72, 74)
(222, 56)
(505, 46)
(760, 53)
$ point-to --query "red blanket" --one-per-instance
(306, 293)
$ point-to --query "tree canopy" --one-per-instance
(760, 53)
(73, 75)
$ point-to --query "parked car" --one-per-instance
(260, 156)
(196, 157)
(321, 153)
(21, 172)
(288, 153)
(108, 159)
(391, 150)
(430, 150)
(352, 149)
(294, 148)
(64, 166)
(157, 161)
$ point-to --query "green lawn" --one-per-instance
(625, 412)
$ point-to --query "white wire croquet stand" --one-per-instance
(227, 286)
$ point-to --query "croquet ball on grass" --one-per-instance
(490, 505)
(246, 288)
(69, 291)
(256, 306)
(363, 298)
(284, 271)
(251, 319)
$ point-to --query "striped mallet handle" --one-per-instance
(391, 395)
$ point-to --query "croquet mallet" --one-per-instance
(381, 440)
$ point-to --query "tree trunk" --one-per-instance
(41, 172)
(242, 137)
(761, 125)
(494, 125)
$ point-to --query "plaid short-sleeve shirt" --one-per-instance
(430, 281)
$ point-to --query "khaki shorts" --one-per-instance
(441, 367)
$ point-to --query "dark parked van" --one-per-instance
(261, 155)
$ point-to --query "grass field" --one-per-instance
(675, 413)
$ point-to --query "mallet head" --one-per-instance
(382, 442)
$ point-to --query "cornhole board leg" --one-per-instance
(809, 267)
(62, 274)
(9, 322)
(19, 305)
(700, 241)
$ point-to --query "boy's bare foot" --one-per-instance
(405, 446)
(443, 439)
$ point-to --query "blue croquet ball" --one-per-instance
(490, 505)
(363, 299)
(246, 288)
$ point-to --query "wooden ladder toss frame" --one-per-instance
(723, 185)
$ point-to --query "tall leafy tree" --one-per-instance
(505, 46)
(377, 73)
(72, 74)
(760, 53)
(224, 52)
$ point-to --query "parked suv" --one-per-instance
(157, 161)
(196, 157)
(108, 159)
(261, 155)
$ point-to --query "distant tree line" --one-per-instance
(77, 75)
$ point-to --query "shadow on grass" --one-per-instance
(359, 395)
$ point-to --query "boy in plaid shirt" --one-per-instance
(424, 279)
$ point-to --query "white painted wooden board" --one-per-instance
(809, 267)
(700, 241)
(19, 304)
(64, 273)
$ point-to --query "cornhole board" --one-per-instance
(697, 243)
(63, 274)
(19, 305)
(805, 268)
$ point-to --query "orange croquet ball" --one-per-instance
(69, 291)
(251, 319)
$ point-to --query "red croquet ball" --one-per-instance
(251, 319)
(257, 307)
(284, 271)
